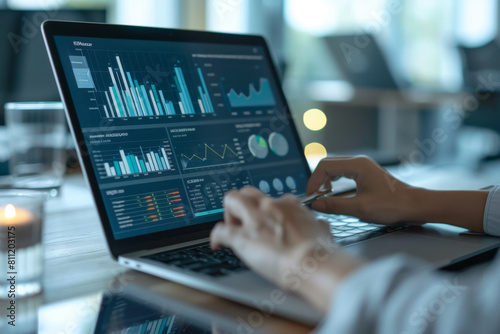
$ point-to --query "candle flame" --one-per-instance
(10, 211)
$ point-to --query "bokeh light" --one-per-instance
(314, 119)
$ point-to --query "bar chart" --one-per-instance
(141, 160)
(127, 97)
(122, 154)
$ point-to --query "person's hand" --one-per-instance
(281, 240)
(380, 198)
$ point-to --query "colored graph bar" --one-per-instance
(131, 165)
(143, 166)
(163, 163)
(106, 111)
(182, 107)
(155, 107)
(153, 161)
(121, 112)
(172, 109)
(117, 168)
(165, 156)
(188, 106)
(140, 110)
(115, 88)
(187, 95)
(132, 110)
(158, 161)
(126, 167)
(160, 109)
(164, 104)
(135, 164)
(146, 100)
(122, 167)
(203, 101)
(115, 102)
(130, 104)
(201, 106)
(126, 97)
(109, 104)
(207, 95)
(108, 170)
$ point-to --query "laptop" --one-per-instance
(166, 122)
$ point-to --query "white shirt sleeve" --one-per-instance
(395, 296)
(491, 221)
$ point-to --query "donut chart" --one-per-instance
(278, 144)
(258, 146)
(264, 187)
(278, 185)
(290, 183)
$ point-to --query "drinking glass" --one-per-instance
(38, 138)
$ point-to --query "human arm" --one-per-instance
(381, 198)
(281, 240)
(398, 295)
(278, 237)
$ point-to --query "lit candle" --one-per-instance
(21, 224)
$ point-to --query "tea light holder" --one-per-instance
(21, 252)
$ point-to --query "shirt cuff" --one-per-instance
(362, 294)
(491, 220)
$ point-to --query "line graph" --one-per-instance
(211, 156)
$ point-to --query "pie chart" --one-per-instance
(264, 186)
(278, 185)
(278, 144)
(290, 183)
(258, 146)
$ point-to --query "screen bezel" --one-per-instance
(51, 28)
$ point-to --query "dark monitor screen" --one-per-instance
(25, 72)
(171, 126)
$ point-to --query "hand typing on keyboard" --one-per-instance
(277, 238)
(282, 240)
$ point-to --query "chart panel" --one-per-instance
(292, 180)
(141, 209)
(263, 142)
(206, 193)
(131, 154)
(244, 82)
(206, 147)
(141, 86)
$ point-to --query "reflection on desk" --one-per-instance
(124, 313)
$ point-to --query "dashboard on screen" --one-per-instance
(170, 127)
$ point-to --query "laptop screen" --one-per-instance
(170, 127)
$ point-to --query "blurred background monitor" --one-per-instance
(361, 61)
(26, 72)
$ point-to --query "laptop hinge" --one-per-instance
(165, 248)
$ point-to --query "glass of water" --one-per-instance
(38, 139)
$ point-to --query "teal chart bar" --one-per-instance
(127, 97)
(147, 161)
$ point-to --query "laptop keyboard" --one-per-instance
(347, 230)
(202, 259)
